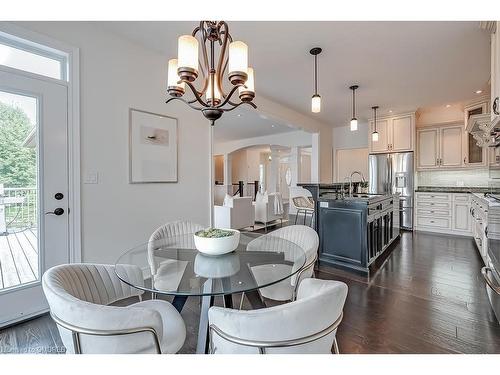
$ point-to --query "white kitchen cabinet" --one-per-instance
(382, 145)
(402, 133)
(427, 148)
(439, 147)
(396, 134)
(451, 146)
(474, 155)
(461, 216)
(443, 213)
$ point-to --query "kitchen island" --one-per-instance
(354, 230)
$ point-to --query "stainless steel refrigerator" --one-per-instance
(392, 174)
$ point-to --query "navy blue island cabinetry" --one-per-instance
(355, 229)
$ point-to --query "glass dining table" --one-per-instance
(172, 266)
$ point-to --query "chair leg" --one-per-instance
(296, 216)
(305, 215)
(336, 346)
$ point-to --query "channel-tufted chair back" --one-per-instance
(318, 308)
(171, 234)
(81, 294)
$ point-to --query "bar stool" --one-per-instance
(305, 206)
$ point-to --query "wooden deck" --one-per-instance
(18, 258)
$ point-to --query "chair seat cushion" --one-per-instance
(174, 330)
(169, 274)
(267, 273)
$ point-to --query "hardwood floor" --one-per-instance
(428, 297)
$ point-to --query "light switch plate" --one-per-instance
(91, 178)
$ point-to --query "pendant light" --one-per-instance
(354, 120)
(375, 132)
(316, 99)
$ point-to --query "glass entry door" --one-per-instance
(33, 190)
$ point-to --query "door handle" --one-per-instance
(58, 212)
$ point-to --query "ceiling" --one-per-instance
(246, 123)
(399, 66)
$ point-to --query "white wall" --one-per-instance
(290, 139)
(322, 163)
(344, 138)
(116, 75)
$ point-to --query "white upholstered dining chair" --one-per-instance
(307, 325)
(167, 273)
(80, 297)
(306, 239)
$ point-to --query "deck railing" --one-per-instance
(22, 214)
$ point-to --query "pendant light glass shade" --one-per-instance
(247, 92)
(316, 98)
(354, 120)
(188, 57)
(173, 78)
(354, 124)
(238, 57)
(316, 104)
(375, 132)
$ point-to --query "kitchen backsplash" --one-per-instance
(471, 177)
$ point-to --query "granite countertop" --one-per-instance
(457, 189)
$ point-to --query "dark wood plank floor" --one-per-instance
(428, 297)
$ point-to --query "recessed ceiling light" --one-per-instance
(390, 110)
(272, 126)
(448, 105)
(479, 91)
(239, 115)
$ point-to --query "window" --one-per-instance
(31, 57)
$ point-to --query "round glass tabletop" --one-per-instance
(173, 266)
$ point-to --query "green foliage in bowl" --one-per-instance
(214, 233)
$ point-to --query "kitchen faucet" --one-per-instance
(350, 180)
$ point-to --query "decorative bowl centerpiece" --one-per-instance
(216, 267)
(214, 241)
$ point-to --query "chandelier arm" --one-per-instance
(227, 100)
(195, 92)
(204, 47)
(225, 35)
(237, 105)
(195, 31)
(184, 101)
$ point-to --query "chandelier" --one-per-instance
(191, 66)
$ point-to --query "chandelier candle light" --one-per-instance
(316, 99)
(375, 132)
(211, 99)
(354, 120)
(193, 66)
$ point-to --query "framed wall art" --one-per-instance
(152, 147)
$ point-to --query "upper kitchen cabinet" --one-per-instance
(474, 155)
(396, 134)
(428, 148)
(439, 147)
